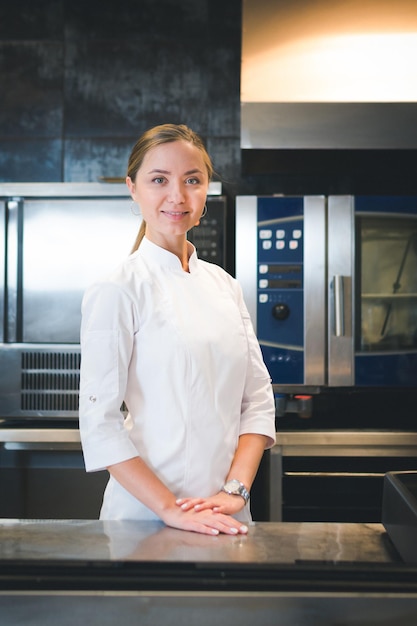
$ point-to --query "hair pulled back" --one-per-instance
(156, 136)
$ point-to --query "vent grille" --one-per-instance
(51, 361)
(50, 381)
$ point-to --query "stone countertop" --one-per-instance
(73, 571)
(61, 572)
(265, 544)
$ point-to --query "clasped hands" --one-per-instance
(211, 515)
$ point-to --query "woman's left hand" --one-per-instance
(222, 502)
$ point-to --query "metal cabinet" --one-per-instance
(335, 476)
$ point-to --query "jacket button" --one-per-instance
(92, 398)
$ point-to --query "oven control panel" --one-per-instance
(280, 278)
(209, 237)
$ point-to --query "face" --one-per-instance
(171, 189)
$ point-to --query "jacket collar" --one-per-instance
(159, 256)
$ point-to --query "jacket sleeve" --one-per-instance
(258, 404)
(108, 325)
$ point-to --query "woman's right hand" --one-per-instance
(207, 521)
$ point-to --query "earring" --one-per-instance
(204, 211)
(132, 204)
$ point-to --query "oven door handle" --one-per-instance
(339, 305)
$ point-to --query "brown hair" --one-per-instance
(156, 136)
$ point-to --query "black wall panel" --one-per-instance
(81, 81)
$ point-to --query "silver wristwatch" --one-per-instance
(235, 488)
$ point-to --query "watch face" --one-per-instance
(236, 488)
(232, 485)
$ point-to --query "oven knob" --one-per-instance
(281, 311)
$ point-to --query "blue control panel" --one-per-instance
(280, 278)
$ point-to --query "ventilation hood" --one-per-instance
(329, 75)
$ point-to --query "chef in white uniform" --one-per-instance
(170, 336)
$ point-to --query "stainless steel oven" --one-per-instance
(331, 285)
(57, 239)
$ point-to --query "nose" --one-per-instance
(176, 193)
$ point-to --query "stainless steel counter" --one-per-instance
(66, 572)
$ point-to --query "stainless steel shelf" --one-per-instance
(346, 443)
(39, 435)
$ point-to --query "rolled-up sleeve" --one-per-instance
(258, 405)
(109, 323)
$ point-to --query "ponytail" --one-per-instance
(139, 236)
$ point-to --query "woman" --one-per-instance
(170, 336)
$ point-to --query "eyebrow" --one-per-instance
(158, 171)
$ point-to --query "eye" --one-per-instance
(192, 181)
(158, 180)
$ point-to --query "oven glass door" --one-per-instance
(386, 310)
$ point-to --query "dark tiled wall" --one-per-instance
(81, 81)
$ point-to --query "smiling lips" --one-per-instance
(175, 213)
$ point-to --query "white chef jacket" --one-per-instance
(179, 349)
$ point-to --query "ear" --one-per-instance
(131, 186)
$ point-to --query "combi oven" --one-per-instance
(58, 238)
(331, 284)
